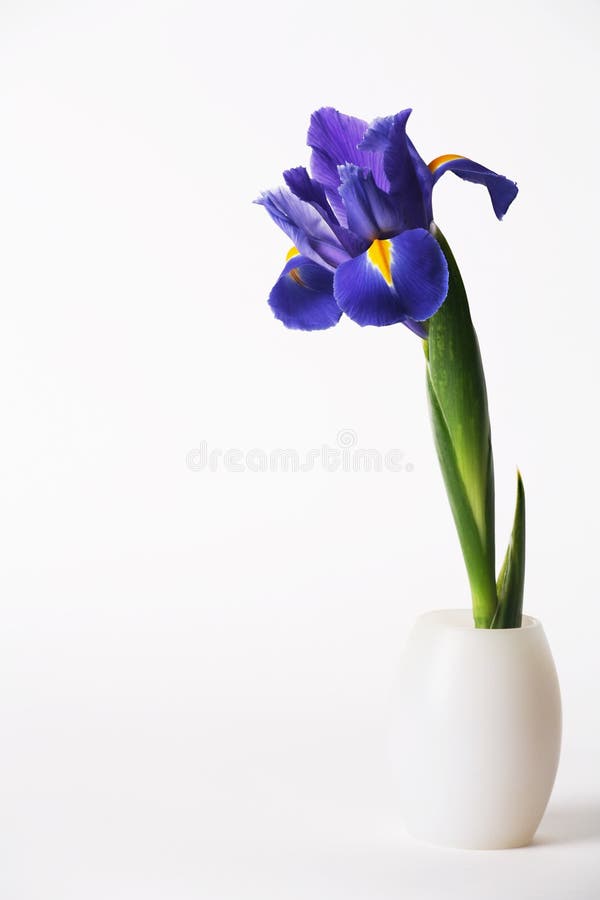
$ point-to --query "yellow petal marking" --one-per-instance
(293, 273)
(440, 160)
(379, 254)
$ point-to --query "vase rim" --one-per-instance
(462, 619)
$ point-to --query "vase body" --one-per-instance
(476, 731)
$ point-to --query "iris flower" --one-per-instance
(361, 225)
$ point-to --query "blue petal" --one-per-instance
(364, 295)
(306, 188)
(303, 296)
(305, 227)
(409, 177)
(334, 139)
(311, 191)
(419, 272)
(418, 328)
(403, 279)
(501, 190)
(371, 212)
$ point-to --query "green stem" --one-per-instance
(461, 427)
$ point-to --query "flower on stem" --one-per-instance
(361, 225)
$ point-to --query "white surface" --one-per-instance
(194, 665)
(476, 726)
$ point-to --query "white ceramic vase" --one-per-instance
(476, 731)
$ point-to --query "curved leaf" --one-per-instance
(511, 579)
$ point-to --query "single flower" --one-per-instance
(361, 225)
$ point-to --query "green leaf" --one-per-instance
(459, 411)
(512, 574)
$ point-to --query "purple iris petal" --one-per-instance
(334, 139)
(371, 212)
(303, 296)
(363, 294)
(418, 328)
(501, 190)
(305, 227)
(409, 177)
(306, 188)
(419, 272)
(311, 191)
(406, 279)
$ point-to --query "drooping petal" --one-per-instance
(502, 191)
(365, 294)
(409, 177)
(311, 191)
(302, 296)
(398, 279)
(305, 227)
(334, 139)
(419, 272)
(371, 212)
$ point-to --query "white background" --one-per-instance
(195, 665)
